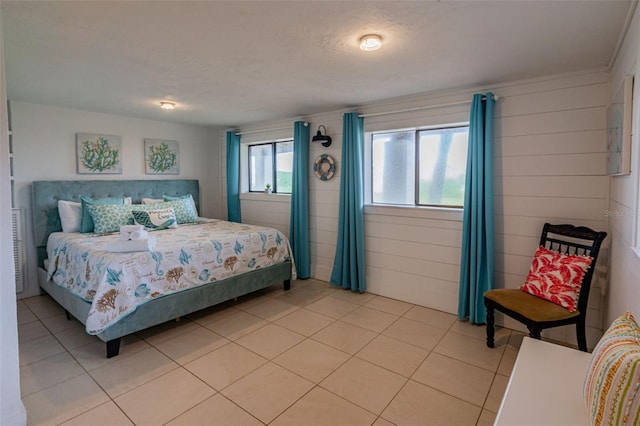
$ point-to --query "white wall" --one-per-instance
(624, 288)
(274, 209)
(12, 411)
(45, 149)
(549, 157)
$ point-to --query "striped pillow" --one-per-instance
(612, 386)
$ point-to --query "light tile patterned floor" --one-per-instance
(316, 355)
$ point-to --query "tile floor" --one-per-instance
(316, 355)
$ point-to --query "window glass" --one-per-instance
(393, 168)
(442, 165)
(260, 166)
(419, 167)
(284, 166)
(271, 164)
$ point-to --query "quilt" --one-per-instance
(189, 256)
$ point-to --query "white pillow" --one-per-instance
(70, 215)
(152, 200)
(127, 200)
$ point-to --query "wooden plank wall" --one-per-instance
(549, 158)
(624, 225)
(550, 166)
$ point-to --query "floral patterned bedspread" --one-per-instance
(189, 256)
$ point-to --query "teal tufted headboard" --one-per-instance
(46, 194)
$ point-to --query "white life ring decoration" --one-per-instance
(324, 167)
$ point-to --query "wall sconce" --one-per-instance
(319, 137)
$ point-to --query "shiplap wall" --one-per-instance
(549, 154)
(413, 254)
(274, 210)
(550, 166)
(624, 291)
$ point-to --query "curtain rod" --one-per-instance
(306, 124)
(376, 114)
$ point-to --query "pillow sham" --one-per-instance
(86, 223)
(155, 220)
(109, 217)
(181, 197)
(184, 208)
(612, 386)
(557, 277)
(70, 215)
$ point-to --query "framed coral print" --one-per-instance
(161, 157)
(98, 154)
(619, 130)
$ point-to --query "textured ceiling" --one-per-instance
(229, 63)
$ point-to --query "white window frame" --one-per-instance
(245, 194)
(405, 210)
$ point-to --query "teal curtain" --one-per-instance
(233, 177)
(477, 261)
(299, 223)
(348, 265)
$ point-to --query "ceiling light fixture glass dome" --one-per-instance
(167, 105)
(370, 42)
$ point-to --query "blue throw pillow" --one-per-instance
(86, 223)
(182, 197)
(110, 217)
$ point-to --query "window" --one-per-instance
(271, 164)
(419, 167)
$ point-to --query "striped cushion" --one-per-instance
(612, 386)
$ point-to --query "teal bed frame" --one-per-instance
(46, 220)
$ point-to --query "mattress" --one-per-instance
(189, 256)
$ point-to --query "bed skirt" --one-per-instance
(171, 306)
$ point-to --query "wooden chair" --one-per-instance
(536, 313)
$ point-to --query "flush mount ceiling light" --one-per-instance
(370, 42)
(167, 105)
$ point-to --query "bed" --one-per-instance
(157, 309)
